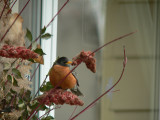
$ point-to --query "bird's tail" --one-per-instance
(76, 91)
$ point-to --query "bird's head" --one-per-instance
(63, 61)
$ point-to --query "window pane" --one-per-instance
(139, 86)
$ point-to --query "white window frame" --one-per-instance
(49, 9)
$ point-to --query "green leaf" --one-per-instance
(12, 91)
(48, 118)
(43, 107)
(31, 60)
(43, 88)
(39, 51)
(46, 36)
(29, 35)
(21, 104)
(43, 30)
(25, 114)
(15, 83)
(27, 96)
(33, 106)
(34, 117)
(16, 73)
(49, 85)
(46, 87)
(9, 78)
(3, 86)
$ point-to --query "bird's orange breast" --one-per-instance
(58, 73)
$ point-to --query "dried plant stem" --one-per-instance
(13, 100)
(40, 86)
(92, 103)
(113, 41)
(14, 20)
(33, 112)
(34, 72)
(3, 9)
(73, 112)
(58, 13)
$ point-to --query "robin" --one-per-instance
(59, 71)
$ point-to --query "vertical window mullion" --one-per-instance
(49, 8)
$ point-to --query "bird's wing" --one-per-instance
(76, 89)
(76, 79)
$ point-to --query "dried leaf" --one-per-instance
(40, 58)
(6, 66)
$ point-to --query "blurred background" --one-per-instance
(88, 24)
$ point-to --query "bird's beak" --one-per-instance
(69, 62)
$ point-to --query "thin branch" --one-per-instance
(40, 86)
(11, 7)
(73, 112)
(92, 103)
(113, 41)
(34, 72)
(14, 21)
(3, 9)
(33, 112)
(52, 20)
(46, 113)
(58, 13)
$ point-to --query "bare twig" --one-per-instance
(73, 112)
(46, 113)
(52, 20)
(40, 86)
(34, 72)
(92, 103)
(11, 7)
(3, 9)
(33, 112)
(58, 13)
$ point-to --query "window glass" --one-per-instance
(138, 95)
